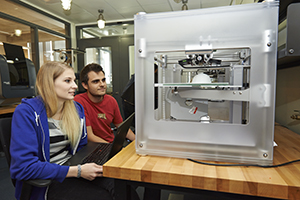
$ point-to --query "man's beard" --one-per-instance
(97, 95)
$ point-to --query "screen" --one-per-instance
(14, 52)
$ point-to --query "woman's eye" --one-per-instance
(68, 81)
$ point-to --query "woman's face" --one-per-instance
(65, 85)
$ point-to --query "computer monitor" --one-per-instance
(17, 75)
(14, 52)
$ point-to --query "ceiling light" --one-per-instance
(184, 6)
(18, 32)
(66, 4)
(124, 30)
(101, 20)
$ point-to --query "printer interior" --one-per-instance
(207, 86)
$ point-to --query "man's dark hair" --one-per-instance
(88, 68)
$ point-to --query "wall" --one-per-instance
(288, 97)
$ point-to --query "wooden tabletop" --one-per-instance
(279, 182)
(7, 109)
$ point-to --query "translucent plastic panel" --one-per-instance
(205, 83)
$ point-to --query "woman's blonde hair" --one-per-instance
(70, 122)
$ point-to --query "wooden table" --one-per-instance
(280, 182)
(7, 109)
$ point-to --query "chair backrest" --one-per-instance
(5, 134)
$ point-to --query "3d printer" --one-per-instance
(205, 83)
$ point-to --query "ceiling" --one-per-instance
(86, 11)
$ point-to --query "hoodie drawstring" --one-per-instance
(36, 118)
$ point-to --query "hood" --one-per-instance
(37, 104)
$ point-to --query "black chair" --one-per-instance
(5, 134)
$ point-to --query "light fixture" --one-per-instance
(66, 4)
(184, 6)
(18, 32)
(124, 30)
(101, 20)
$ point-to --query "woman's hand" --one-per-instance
(89, 171)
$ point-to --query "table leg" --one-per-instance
(122, 190)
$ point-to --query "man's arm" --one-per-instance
(130, 135)
(92, 137)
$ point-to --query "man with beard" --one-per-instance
(100, 109)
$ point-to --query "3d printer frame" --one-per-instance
(230, 116)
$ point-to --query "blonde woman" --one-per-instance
(46, 131)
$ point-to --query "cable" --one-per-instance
(244, 165)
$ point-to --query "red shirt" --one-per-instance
(100, 115)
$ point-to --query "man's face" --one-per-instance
(96, 84)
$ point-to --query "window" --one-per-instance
(102, 56)
(49, 42)
(31, 16)
(39, 34)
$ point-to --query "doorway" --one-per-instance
(115, 55)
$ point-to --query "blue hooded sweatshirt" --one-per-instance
(30, 144)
